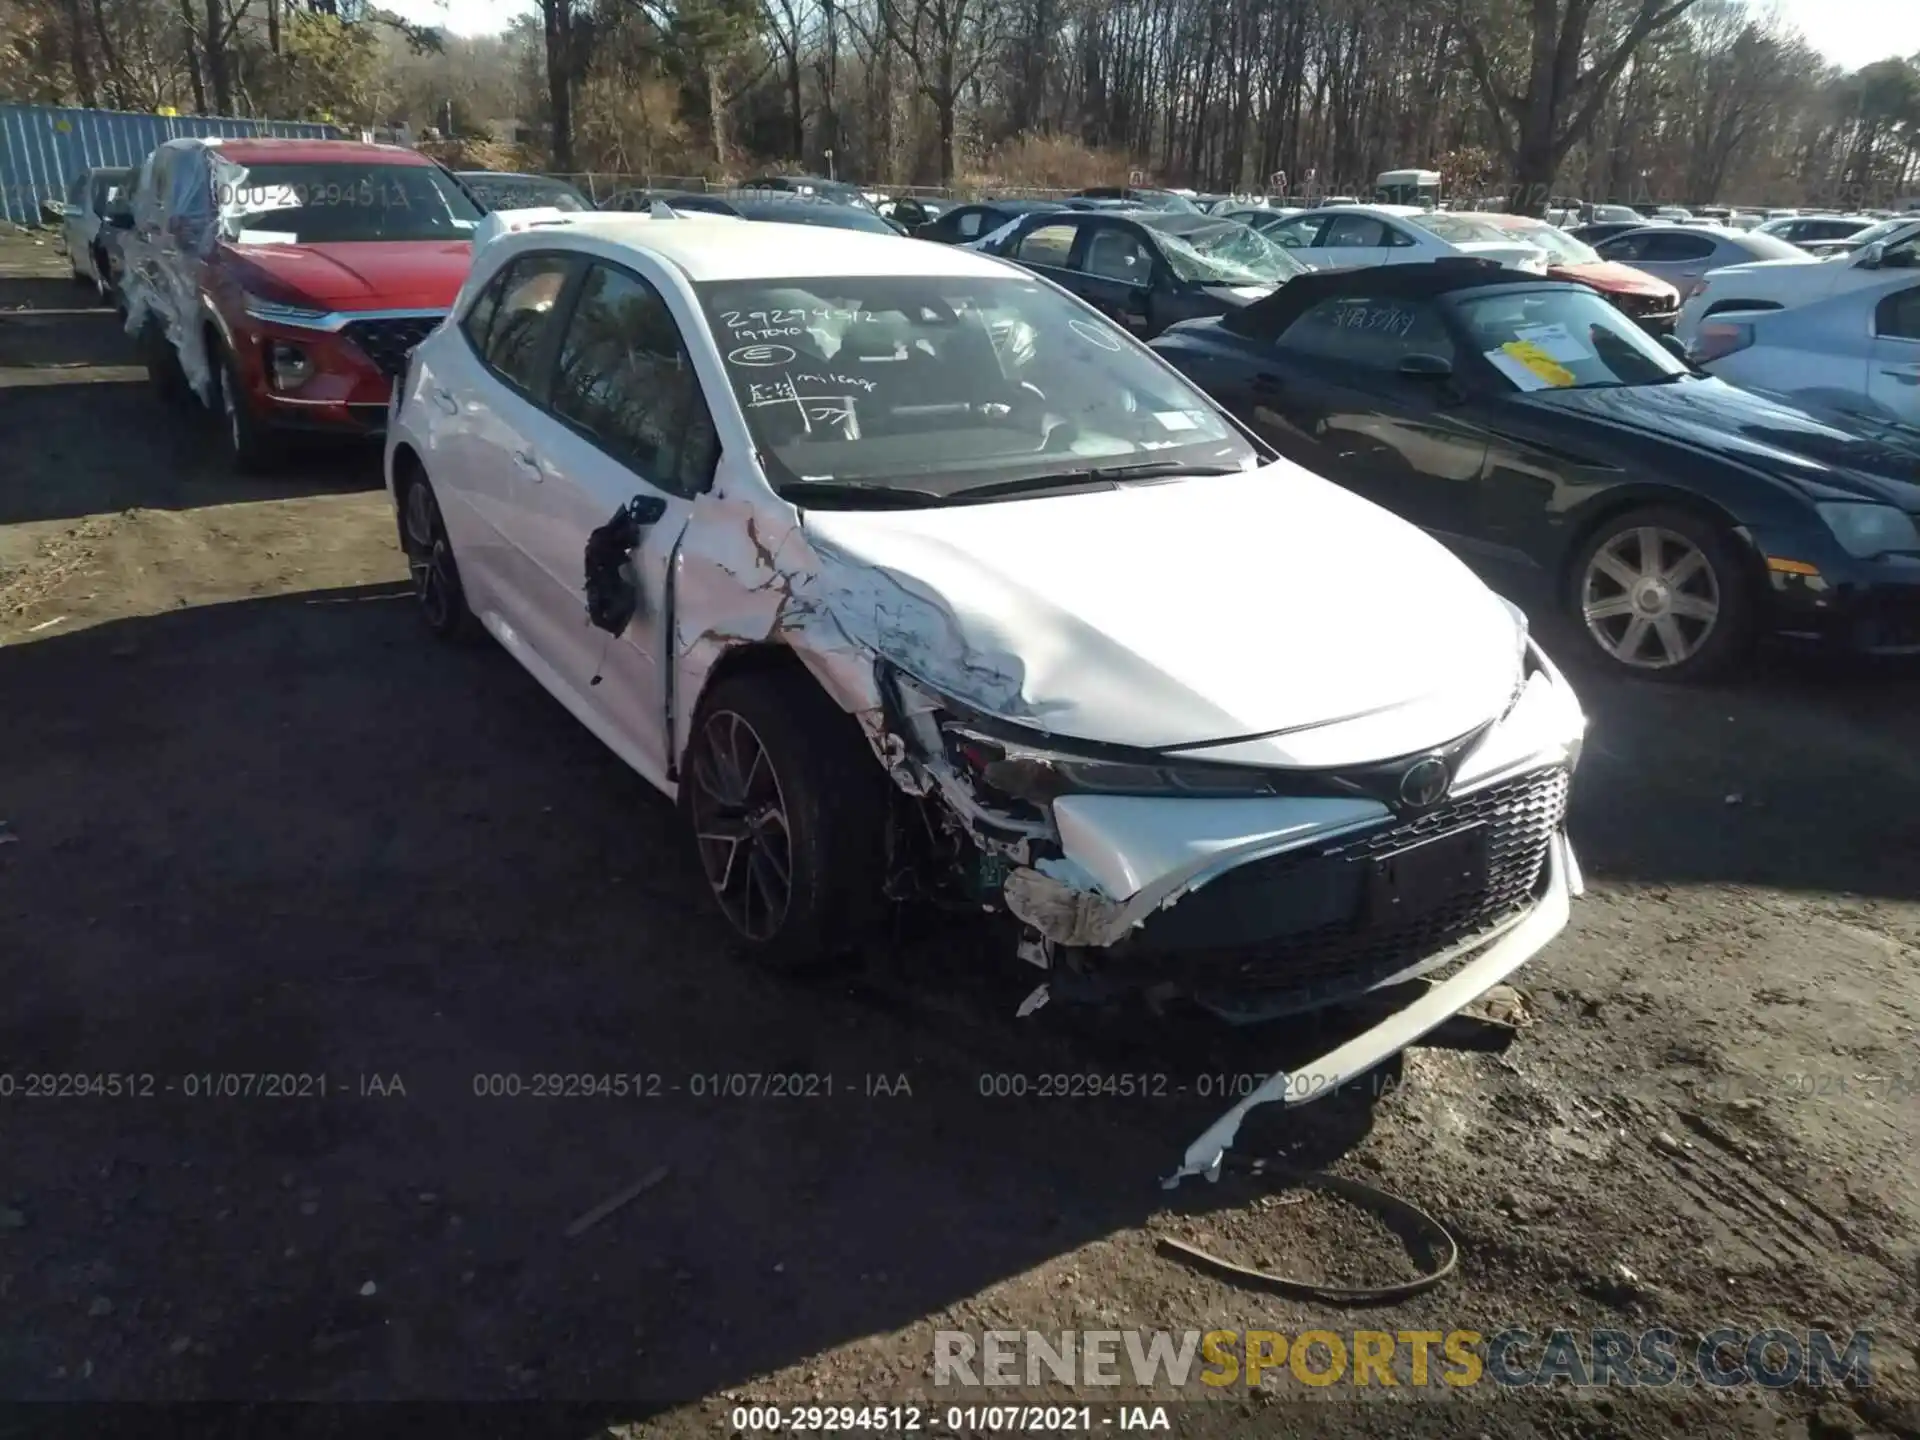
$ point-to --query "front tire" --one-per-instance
(1662, 593)
(436, 577)
(788, 810)
(250, 445)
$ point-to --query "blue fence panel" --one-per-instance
(42, 148)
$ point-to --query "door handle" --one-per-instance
(528, 463)
(444, 399)
(1908, 373)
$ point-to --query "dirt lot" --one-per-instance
(261, 823)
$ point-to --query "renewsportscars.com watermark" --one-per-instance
(1727, 1358)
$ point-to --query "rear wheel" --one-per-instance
(788, 811)
(1662, 593)
(436, 577)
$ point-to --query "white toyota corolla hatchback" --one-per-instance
(911, 576)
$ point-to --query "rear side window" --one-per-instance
(1897, 316)
(968, 225)
(1047, 245)
(523, 318)
(1361, 232)
(624, 380)
(1672, 246)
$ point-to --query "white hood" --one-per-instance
(1182, 614)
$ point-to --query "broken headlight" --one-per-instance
(1040, 775)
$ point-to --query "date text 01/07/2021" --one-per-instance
(955, 1419)
(197, 1085)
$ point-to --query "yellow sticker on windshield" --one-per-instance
(1538, 361)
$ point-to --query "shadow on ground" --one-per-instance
(296, 837)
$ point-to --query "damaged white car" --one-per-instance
(913, 577)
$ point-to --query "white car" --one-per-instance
(1886, 255)
(1341, 237)
(909, 575)
(1856, 352)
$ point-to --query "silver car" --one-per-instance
(1856, 351)
(86, 223)
(1683, 254)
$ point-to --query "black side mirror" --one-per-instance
(121, 220)
(1426, 367)
(1674, 348)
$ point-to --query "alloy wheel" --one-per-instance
(1650, 598)
(428, 557)
(740, 825)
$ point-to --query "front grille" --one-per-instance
(388, 343)
(1339, 956)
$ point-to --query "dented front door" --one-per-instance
(625, 418)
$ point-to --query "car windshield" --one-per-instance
(1564, 249)
(323, 203)
(1562, 340)
(1462, 229)
(938, 385)
(1227, 253)
(806, 210)
(525, 192)
(1877, 232)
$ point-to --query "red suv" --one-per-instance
(284, 282)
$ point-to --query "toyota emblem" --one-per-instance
(1425, 783)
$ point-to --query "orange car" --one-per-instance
(1649, 300)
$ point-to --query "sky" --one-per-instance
(1851, 33)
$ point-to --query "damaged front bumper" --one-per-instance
(1258, 906)
(1339, 1067)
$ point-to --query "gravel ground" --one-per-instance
(261, 823)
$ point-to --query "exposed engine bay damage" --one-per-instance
(1095, 850)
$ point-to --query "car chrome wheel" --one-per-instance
(1650, 597)
(740, 824)
(428, 556)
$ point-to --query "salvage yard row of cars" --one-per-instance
(914, 571)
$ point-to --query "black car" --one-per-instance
(1536, 429)
(837, 191)
(502, 190)
(1142, 196)
(798, 209)
(1149, 270)
(697, 200)
(972, 222)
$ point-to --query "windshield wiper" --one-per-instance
(866, 492)
(1112, 474)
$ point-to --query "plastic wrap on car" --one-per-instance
(181, 230)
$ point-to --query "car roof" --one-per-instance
(1422, 280)
(1397, 212)
(708, 247)
(271, 150)
(1176, 222)
(512, 175)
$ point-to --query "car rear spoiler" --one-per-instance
(512, 222)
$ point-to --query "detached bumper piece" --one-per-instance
(1323, 923)
(1511, 949)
